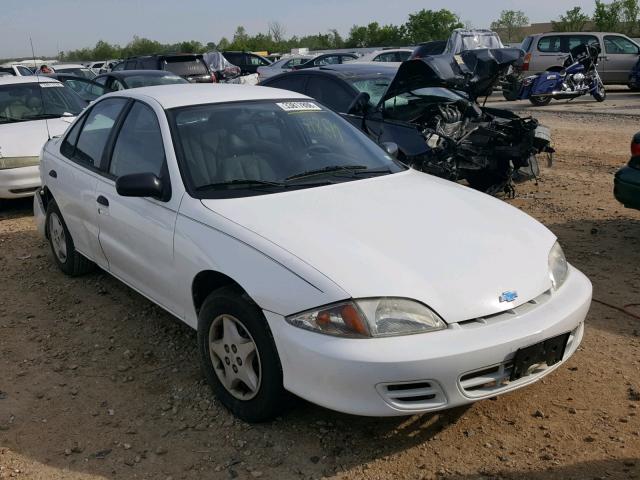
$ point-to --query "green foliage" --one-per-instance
(510, 25)
(574, 20)
(630, 11)
(428, 25)
(607, 17)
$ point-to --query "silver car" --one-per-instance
(283, 65)
(618, 52)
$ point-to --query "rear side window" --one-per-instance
(255, 60)
(403, 56)
(69, 143)
(96, 130)
(385, 57)
(293, 83)
(185, 67)
(235, 58)
(328, 60)
(138, 148)
(550, 44)
(330, 93)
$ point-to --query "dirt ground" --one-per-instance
(97, 383)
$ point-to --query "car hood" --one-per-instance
(407, 235)
(472, 71)
(25, 139)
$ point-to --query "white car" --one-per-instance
(386, 55)
(25, 126)
(283, 65)
(308, 260)
(74, 69)
(96, 67)
(16, 70)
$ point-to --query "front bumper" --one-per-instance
(626, 187)
(19, 182)
(427, 372)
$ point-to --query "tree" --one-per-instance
(223, 44)
(104, 51)
(428, 25)
(510, 24)
(240, 39)
(630, 10)
(277, 32)
(574, 20)
(607, 16)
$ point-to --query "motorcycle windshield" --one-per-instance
(472, 72)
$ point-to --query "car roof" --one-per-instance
(360, 69)
(26, 79)
(172, 96)
(131, 73)
(67, 65)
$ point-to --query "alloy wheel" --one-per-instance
(58, 237)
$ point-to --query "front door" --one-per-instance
(136, 234)
(619, 56)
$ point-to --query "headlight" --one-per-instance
(558, 266)
(17, 162)
(375, 317)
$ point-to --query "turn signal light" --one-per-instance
(525, 62)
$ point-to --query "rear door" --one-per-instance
(73, 179)
(136, 234)
(547, 52)
(620, 55)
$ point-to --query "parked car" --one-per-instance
(87, 89)
(74, 69)
(627, 180)
(427, 107)
(95, 67)
(124, 80)
(16, 70)
(285, 64)
(272, 226)
(32, 109)
(386, 55)
(247, 61)
(619, 53)
(108, 65)
(189, 66)
(434, 47)
(327, 59)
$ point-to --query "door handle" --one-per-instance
(53, 174)
(103, 201)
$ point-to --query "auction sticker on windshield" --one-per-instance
(50, 84)
(299, 107)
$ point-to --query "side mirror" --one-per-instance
(391, 148)
(140, 185)
(360, 104)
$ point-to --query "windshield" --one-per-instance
(186, 66)
(32, 101)
(261, 147)
(411, 105)
(80, 72)
(135, 81)
(375, 87)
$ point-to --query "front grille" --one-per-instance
(493, 379)
(421, 394)
(507, 314)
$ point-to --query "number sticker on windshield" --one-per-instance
(299, 107)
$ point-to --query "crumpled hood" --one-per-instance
(472, 71)
(408, 235)
(25, 139)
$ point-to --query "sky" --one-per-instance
(70, 24)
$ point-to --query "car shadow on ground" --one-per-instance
(16, 208)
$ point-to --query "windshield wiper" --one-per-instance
(242, 181)
(44, 116)
(329, 169)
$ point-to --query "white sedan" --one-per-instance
(31, 110)
(308, 260)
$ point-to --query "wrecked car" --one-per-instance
(429, 108)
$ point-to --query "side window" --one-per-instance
(550, 44)
(329, 60)
(118, 66)
(116, 85)
(69, 143)
(526, 44)
(403, 56)
(138, 148)
(619, 45)
(576, 40)
(24, 71)
(130, 65)
(95, 132)
(330, 93)
(386, 57)
(293, 83)
(101, 80)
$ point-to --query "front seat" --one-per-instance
(240, 159)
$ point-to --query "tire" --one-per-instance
(540, 101)
(237, 326)
(601, 94)
(68, 259)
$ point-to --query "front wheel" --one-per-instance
(239, 357)
(600, 94)
(540, 101)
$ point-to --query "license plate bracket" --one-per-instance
(549, 351)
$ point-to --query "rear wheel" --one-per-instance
(540, 101)
(239, 358)
(69, 260)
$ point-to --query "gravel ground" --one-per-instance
(97, 383)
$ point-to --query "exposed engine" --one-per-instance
(489, 148)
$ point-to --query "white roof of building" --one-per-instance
(171, 96)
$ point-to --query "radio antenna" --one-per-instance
(33, 55)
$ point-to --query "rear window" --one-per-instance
(526, 44)
(185, 67)
(563, 43)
